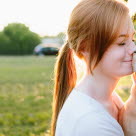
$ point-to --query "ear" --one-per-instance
(85, 54)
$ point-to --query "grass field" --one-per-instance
(26, 94)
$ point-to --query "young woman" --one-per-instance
(100, 33)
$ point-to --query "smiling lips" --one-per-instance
(128, 61)
(134, 62)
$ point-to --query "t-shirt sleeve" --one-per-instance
(98, 125)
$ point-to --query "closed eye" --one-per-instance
(123, 43)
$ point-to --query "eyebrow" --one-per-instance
(126, 35)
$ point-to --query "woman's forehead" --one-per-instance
(127, 28)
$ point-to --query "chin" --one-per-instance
(127, 73)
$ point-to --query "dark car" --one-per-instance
(46, 50)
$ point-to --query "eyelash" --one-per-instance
(121, 44)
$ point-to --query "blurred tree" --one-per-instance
(134, 17)
(59, 35)
(22, 40)
(62, 37)
(4, 43)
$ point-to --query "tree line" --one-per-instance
(17, 39)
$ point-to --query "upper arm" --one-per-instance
(90, 125)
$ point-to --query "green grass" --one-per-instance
(26, 94)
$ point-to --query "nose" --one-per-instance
(131, 48)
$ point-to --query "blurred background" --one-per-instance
(31, 34)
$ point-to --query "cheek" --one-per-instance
(114, 66)
(112, 61)
(113, 58)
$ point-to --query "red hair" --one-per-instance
(94, 25)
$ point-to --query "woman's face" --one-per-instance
(117, 60)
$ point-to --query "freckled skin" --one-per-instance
(110, 69)
(127, 114)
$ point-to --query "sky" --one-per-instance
(45, 17)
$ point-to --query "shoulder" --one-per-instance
(96, 124)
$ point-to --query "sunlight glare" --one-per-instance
(80, 67)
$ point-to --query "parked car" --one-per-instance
(46, 49)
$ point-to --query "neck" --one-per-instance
(99, 86)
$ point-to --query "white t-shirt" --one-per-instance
(82, 115)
